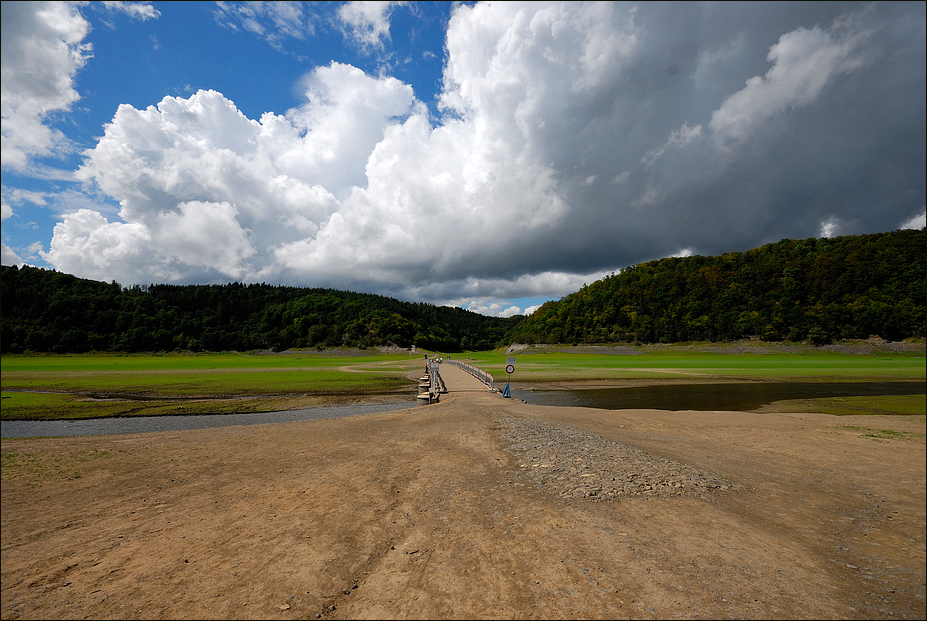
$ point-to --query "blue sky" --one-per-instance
(489, 156)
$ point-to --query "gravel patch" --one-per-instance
(572, 463)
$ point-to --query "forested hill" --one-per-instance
(47, 311)
(816, 289)
(812, 289)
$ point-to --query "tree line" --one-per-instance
(818, 290)
(48, 311)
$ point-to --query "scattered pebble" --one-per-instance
(574, 463)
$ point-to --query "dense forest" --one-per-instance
(47, 311)
(812, 289)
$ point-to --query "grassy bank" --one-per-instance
(91, 386)
(894, 405)
(752, 361)
(742, 361)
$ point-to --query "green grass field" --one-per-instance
(55, 387)
(673, 363)
(896, 405)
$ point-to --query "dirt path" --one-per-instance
(475, 507)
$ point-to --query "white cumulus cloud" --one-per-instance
(9, 256)
(918, 221)
(367, 21)
(42, 50)
(86, 244)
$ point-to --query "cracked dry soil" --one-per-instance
(475, 507)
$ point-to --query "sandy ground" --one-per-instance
(433, 512)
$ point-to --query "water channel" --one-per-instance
(705, 397)
(711, 397)
(140, 424)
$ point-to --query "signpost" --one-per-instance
(509, 368)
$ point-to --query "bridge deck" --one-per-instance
(458, 380)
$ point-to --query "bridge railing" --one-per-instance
(476, 372)
(431, 385)
(437, 383)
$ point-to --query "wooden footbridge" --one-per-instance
(461, 376)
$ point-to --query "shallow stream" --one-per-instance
(712, 397)
(140, 424)
(704, 397)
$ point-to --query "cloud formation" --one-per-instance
(367, 21)
(574, 139)
(275, 22)
(42, 50)
(135, 10)
(7, 254)
(803, 61)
